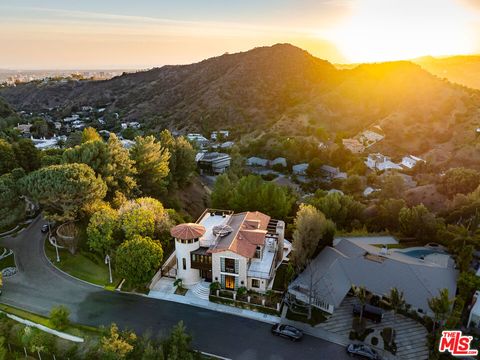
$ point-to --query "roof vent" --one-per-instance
(221, 230)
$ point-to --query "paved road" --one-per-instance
(38, 286)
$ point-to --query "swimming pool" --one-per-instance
(419, 253)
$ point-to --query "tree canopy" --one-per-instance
(152, 161)
(102, 231)
(64, 190)
(459, 181)
(138, 259)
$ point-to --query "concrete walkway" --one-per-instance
(165, 290)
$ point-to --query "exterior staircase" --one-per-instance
(201, 290)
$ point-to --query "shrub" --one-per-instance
(374, 341)
(59, 317)
(214, 286)
(241, 291)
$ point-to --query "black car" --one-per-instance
(369, 312)
(44, 229)
(363, 351)
(287, 331)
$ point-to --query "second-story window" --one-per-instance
(229, 265)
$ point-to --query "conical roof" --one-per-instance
(188, 231)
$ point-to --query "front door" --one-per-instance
(230, 282)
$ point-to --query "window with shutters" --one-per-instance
(230, 265)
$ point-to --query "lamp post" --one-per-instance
(107, 261)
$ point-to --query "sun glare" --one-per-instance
(382, 30)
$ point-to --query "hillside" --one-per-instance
(464, 70)
(279, 91)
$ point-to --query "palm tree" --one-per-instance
(397, 302)
(440, 306)
(361, 295)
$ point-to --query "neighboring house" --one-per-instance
(24, 128)
(214, 135)
(474, 317)
(48, 143)
(71, 118)
(353, 145)
(381, 162)
(256, 161)
(410, 161)
(300, 169)
(368, 138)
(235, 250)
(281, 161)
(198, 138)
(58, 125)
(419, 272)
(368, 191)
(330, 172)
(131, 125)
(127, 144)
(213, 163)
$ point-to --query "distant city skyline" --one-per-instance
(120, 34)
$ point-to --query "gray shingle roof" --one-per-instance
(338, 268)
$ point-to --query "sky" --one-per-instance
(119, 34)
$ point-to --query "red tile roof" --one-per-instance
(188, 231)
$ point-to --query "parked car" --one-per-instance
(363, 351)
(369, 312)
(287, 331)
(44, 229)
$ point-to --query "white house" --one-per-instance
(279, 161)
(256, 161)
(369, 137)
(224, 133)
(410, 161)
(201, 140)
(300, 169)
(381, 162)
(213, 162)
(474, 317)
(235, 250)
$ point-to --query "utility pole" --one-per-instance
(107, 261)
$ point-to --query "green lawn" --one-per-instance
(73, 329)
(82, 265)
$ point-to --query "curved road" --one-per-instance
(38, 286)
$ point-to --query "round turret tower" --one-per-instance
(187, 239)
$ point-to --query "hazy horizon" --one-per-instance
(110, 35)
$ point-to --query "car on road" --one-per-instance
(369, 312)
(44, 229)
(362, 350)
(287, 331)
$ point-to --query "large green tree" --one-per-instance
(109, 160)
(312, 232)
(459, 181)
(102, 231)
(182, 157)
(343, 210)
(64, 190)
(253, 193)
(138, 259)
(7, 157)
(418, 222)
(151, 161)
(222, 192)
(26, 154)
(12, 208)
(178, 345)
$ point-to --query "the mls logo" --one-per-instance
(456, 344)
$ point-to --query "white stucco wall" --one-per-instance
(189, 276)
(242, 267)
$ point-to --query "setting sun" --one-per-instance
(378, 30)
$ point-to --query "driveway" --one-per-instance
(411, 336)
(38, 286)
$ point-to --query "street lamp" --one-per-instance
(107, 261)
